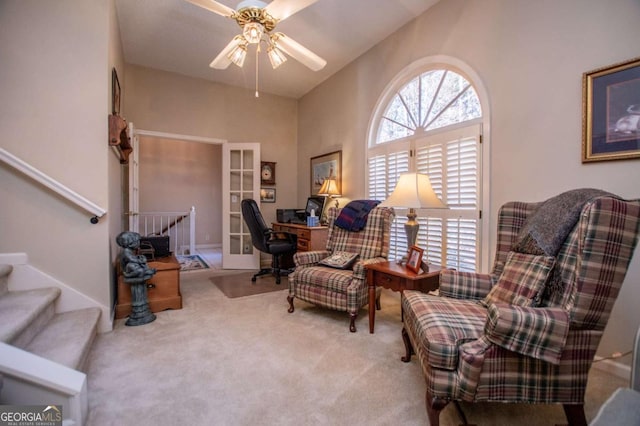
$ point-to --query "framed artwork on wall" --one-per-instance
(611, 112)
(267, 173)
(324, 167)
(267, 195)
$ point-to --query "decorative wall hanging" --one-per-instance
(115, 93)
(267, 195)
(267, 173)
(324, 167)
(611, 112)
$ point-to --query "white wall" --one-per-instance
(168, 102)
(54, 84)
(530, 56)
(116, 171)
(175, 175)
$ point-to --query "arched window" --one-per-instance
(431, 122)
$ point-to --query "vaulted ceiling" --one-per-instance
(177, 36)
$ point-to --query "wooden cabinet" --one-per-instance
(163, 289)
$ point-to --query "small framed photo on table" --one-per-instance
(414, 261)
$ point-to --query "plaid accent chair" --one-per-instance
(472, 347)
(335, 288)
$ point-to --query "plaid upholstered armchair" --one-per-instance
(528, 331)
(332, 286)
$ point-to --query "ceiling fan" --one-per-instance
(258, 20)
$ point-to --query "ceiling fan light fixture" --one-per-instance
(238, 54)
(252, 32)
(276, 56)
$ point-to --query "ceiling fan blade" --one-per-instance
(222, 61)
(214, 7)
(282, 9)
(299, 52)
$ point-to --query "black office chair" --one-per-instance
(265, 239)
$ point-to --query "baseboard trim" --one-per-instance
(610, 366)
(13, 258)
(205, 246)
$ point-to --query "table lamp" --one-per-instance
(413, 191)
(330, 189)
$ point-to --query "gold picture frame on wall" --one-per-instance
(267, 195)
(326, 166)
(611, 112)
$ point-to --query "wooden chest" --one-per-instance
(163, 289)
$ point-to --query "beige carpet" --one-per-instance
(246, 361)
(240, 285)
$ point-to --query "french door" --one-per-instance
(133, 208)
(240, 180)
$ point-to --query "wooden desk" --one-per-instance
(163, 289)
(397, 278)
(309, 238)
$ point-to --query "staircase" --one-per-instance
(43, 353)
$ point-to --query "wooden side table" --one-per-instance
(397, 278)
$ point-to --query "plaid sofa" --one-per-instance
(474, 351)
(342, 289)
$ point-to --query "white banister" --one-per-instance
(52, 184)
(173, 224)
(192, 230)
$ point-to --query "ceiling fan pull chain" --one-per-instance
(257, 52)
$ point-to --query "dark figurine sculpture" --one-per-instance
(135, 272)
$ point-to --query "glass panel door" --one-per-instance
(240, 180)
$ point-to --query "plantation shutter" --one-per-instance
(463, 196)
(386, 163)
(451, 160)
(429, 160)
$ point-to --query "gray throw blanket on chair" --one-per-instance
(549, 225)
(547, 228)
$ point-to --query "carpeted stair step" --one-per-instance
(67, 338)
(23, 314)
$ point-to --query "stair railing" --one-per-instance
(179, 226)
(53, 185)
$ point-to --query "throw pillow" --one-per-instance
(340, 260)
(522, 280)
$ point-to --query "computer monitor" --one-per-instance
(315, 203)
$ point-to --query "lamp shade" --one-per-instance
(414, 190)
(329, 187)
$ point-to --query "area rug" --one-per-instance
(240, 285)
(191, 262)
